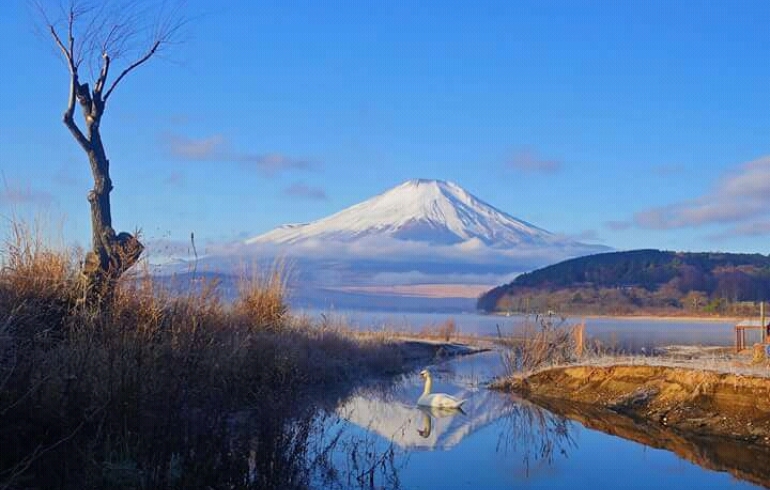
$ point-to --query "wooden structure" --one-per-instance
(763, 326)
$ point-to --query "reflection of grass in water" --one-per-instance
(355, 457)
(536, 434)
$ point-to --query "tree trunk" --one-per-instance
(111, 255)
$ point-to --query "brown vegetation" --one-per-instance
(445, 330)
(542, 340)
(139, 390)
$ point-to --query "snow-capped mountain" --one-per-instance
(430, 211)
(424, 241)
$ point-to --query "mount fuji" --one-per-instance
(421, 240)
(429, 211)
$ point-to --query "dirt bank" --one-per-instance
(690, 402)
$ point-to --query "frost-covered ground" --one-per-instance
(716, 359)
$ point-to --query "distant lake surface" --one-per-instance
(628, 333)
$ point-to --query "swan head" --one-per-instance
(424, 373)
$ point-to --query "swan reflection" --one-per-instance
(394, 416)
(427, 417)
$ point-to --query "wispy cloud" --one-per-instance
(199, 149)
(752, 229)
(388, 249)
(305, 191)
(217, 148)
(739, 198)
(528, 161)
(68, 176)
(14, 194)
(274, 163)
(618, 225)
(590, 235)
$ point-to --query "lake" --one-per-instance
(631, 334)
(382, 440)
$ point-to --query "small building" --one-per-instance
(760, 326)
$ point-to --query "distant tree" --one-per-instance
(694, 300)
(101, 43)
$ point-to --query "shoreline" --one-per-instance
(690, 400)
(647, 317)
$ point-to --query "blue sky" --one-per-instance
(632, 124)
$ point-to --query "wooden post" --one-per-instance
(579, 337)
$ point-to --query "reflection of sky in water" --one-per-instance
(633, 332)
(503, 443)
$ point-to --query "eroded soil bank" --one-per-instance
(690, 402)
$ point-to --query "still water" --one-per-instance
(382, 440)
(627, 333)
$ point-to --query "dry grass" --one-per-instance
(446, 330)
(545, 340)
(721, 363)
(88, 394)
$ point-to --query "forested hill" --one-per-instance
(638, 281)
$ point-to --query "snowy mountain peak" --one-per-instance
(423, 210)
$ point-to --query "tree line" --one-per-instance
(639, 281)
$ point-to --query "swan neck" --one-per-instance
(428, 385)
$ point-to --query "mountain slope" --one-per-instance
(638, 280)
(429, 211)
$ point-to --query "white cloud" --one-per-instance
(305, 191)
(386, 249)
(217, 148)
(527, 161)
(16, 194)
(742, 195)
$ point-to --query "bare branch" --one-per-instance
(71, 64)
(71, 35)
(65, 52)
(102, 76)
(76, 132)
(133, 65)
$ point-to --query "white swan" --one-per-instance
(441, 400)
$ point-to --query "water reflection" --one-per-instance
(501, 441)
(378, 438)
(535, 434)
(413, 427)
(740, 459)
(428, 413)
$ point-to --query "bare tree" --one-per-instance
(102, 42)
